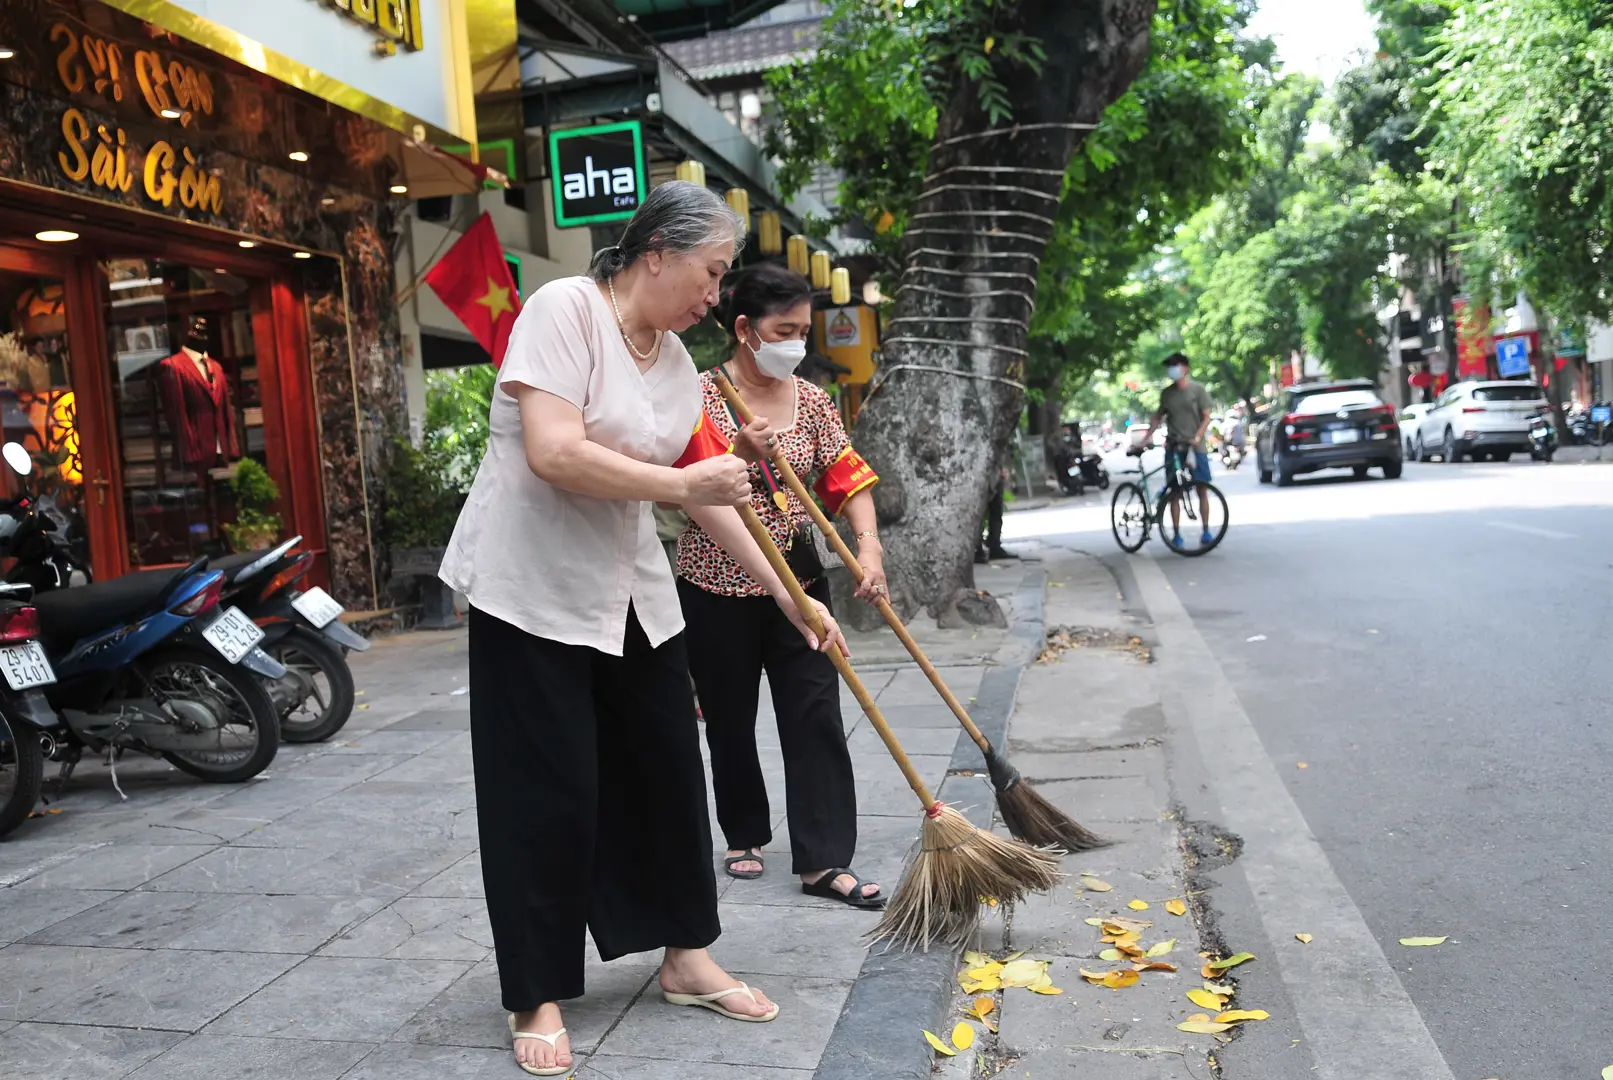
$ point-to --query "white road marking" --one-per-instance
(1357, 1017)
(1549, 534)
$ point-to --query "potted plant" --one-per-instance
(422, 507)
(255, 495)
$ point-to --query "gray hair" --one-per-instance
(677, 217)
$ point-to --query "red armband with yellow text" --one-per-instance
(846, 477)
(706, 442)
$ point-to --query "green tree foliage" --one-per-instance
(455, 431)
(1525, 95)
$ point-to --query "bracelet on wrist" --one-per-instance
(868, 534)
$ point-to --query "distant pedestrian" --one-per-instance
(1186, 407)
(736, 633)
(992, 546)
(590, 793)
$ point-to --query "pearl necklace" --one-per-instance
(622, 326)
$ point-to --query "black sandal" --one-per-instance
(748, 855)
(824, 887)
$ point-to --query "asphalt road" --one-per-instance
(1435, 650)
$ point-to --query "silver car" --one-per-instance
(1488, 421)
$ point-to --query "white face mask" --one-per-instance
(779, 359)
(1174, 372)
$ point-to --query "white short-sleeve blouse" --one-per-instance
(559, 565)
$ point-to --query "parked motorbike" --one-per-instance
(1067, 470)
(1542, 437)
(24, 712)
(1093, 472)
(147, 662)
(1231, 456)
(303, 630)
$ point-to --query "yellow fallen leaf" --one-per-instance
(1049, 990)
(976, 959)
(1095, 885)
(1236, 959)
(1203, 1027)
(1415, 941)
(1219, 988)
(983, 1007)
(984, 986)
(1093, 976)
(1011, 957)
(1205, 1000)
(1129, 950)
(1154, 965)
(1208, 972)
(1117, 980)
(963, 1036)
(1607, 1073)
(1161, 949)
(1176, 907)
(1233, 1016)
(1302, 765)
(984, 971)
(1111, 955)
(940, 1047)
(1120, 924)
(1200, 1017)
(1094, 922)
(1023, 972)
(1303, 938)
(1138, 905)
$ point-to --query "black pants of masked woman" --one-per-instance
(591, 805)
(732, 639)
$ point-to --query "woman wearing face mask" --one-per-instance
(736, 632)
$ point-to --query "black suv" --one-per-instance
(1329, 425)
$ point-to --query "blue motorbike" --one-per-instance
(148, 662)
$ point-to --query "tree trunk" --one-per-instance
(977, 235)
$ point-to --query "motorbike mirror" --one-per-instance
(18, 458)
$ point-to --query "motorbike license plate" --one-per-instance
(1343, 435)
(318, 607)
(233, 634)
(25, 666)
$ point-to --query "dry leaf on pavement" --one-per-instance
(1094, 921)
(982, 1007)
(1049, 990)
(1138, 905)
(1236, 959)
(1120, 924)
(976, 959)
(1607, 1073)
(1206, 1000)
(940, 1047)
(1416, 941)
(1304, 939)
(1233, 1016)
(1176, 907)
(963, 1036)
(1093, 884)
(1219, 988)
(1023, 972)
(1153, 965)
(1203, 1027)
(1117, 980)
(1162, 948)
(1093, 976)
(1111, 955)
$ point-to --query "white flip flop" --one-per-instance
(552, 1040)
(714, 1003)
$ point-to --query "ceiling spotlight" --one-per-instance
(302, 255)
(247, 243)
(399, 189)
(7, 54)
(170, 113)
(298, 155)
(56, 236)
(327, 201)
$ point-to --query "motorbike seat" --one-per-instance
(69, 615)
(229, 564)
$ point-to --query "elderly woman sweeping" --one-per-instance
(589, 787)
(736, 632)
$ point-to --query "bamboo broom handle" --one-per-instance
(830, 533)
(809, 612)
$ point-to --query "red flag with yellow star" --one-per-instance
(474, 281)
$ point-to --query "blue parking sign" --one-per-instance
(1512, 357)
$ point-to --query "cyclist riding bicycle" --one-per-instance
(1186, 406)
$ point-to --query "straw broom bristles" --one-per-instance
(1028, 815)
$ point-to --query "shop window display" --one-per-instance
(185, 394)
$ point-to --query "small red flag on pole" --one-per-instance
(474, 281)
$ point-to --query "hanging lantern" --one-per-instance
(738, 200)
(692, 171)
(820, 269)
(769, 232)
(840, 285)
(797, 254)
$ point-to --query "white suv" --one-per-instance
(1488, 421)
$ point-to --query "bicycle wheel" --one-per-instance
(1199, 534)
(1128, 517)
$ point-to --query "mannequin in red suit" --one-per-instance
(196, 398)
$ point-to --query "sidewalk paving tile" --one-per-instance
(352, 999)
(1142, 1015)
(464, 878)
(27, 911)
(616, 1067)
(350, 767)
(882, 790)
(207, 1057)
(866, 745)
(826, 941)
(73, 1052)
(114, 866)
(420, 928)
(174, 990)
(882, 847)
(389, 742)
(807, 1010)
(366, 870)
(400, 1061)
(918, 713)
(277, 924)
(36, 977)
(137, 920)
(433, 720)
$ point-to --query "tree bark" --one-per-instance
(953, 359)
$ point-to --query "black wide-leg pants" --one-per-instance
(591, 804)
(732, 639)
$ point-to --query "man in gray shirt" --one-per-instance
(1186, 406)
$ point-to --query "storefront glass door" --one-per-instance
(186, 401)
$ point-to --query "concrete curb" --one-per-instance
(898, 994)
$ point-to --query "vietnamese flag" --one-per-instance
(474, 281)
